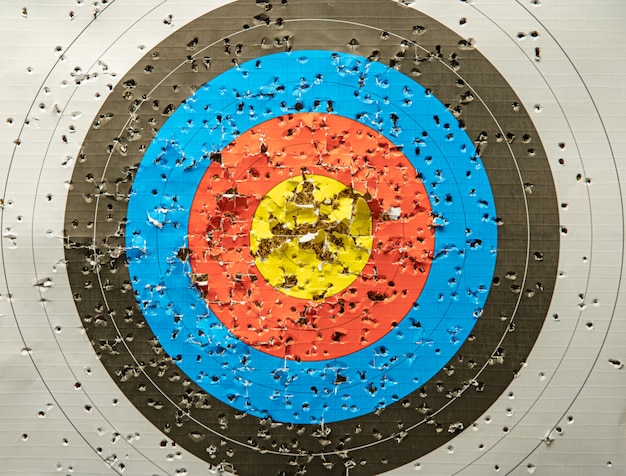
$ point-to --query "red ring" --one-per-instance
(219, 225)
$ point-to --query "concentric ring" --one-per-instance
(409, 353)
(513, 228)
(313, 329)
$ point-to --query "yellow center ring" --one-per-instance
(311, 236)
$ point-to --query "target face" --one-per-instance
(232, 239)
(319, 238)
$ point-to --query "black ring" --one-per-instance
(510, 149)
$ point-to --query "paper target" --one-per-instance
(310, 238)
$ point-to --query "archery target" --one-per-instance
(473, 362)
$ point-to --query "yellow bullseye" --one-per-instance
(311, 236)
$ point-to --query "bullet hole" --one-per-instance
(537, 54)
(468, 44)
(462, 21)
(617, 364)
(496, 467)
(537, 108)
(41, 414)
(65, 442)
(589, 325)
(564, 206)
(262, 19)
(530, 468)
(563, 230)
(191, 46)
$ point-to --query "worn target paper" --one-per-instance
(283, 237)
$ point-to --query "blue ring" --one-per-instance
(423, 341)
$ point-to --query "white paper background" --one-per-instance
(579, 85)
